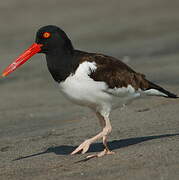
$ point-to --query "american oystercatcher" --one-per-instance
(97, 81)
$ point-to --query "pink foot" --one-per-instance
(102, 153)
(82, 147)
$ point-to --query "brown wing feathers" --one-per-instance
(117, 74)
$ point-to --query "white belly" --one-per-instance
(83, 90)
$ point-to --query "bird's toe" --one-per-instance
(82, 147)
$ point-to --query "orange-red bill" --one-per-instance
(27, 54)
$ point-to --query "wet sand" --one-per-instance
(39, 127)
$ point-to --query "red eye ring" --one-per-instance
(46, 35)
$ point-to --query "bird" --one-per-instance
(97, 81)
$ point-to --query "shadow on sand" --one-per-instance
(97, 147)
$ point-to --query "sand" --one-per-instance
(39, 127)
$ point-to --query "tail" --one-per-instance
(156, 90)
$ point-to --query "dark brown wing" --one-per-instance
(114, 72)
(117, 74)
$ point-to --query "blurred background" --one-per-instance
(143, 33)
(35, 117)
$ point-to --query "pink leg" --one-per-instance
(106, 149)
(105, 123)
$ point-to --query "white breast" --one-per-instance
(81, 89)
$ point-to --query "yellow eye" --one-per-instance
(46, 35)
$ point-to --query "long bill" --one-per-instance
(27, 54)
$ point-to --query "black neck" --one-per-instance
(61, 63)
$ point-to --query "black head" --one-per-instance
(58, 48)
(53, 38)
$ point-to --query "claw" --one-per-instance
(82, 147)
(102, 153)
